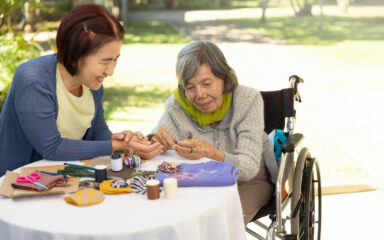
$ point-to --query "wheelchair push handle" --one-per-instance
(294, 81)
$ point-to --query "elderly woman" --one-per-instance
(210, 115)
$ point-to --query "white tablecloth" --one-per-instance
(212, 213)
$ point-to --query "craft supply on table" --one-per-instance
(211, 173)
(81, 166)
(77, 171)
(39, 181)
(116, 186)
(169, 167)
(128, 173)
(100, 173)
(117, 162)
(87, 183)
(32, 178)
(52, 173)
(153, 189)
(139, 184)
(170, 188)
(85, 197)
(131, 160)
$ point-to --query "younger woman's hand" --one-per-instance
(144, 148)
(125, 135)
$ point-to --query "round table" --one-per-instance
(197, 213)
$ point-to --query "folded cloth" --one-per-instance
(47, 180)
(210, 173)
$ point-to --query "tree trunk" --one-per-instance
(169, 4)
(30, 17)
(321, 15)
(264, 6)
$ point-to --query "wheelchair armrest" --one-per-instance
(293, 141)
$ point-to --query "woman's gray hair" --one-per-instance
(195, 54)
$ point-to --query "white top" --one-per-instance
(197, 213)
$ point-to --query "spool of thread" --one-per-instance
(153, 189)
(116, 162)
(100, 173)
(132, 161)
(170, 188)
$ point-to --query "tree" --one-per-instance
(302, 7)
(264, 6)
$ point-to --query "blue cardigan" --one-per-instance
(28, 130)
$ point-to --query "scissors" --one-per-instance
(32, 178)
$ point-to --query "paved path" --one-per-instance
(340, 115)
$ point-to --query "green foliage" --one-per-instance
(14, 51)
(304, 30)
(198, 4)
(11, 11)
(152, 32)
(6, 8)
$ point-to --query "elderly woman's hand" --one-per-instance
(163, 137)
(144, 148)
(196, 149)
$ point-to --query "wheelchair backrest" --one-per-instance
(277, 106)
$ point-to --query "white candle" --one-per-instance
(170, 188)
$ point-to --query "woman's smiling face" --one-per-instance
(205, 90)
(94, 68)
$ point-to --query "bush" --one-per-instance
(14, 51)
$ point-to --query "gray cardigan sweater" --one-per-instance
(240, 135)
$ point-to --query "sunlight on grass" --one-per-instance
(354, 40)
(146, 32)
(305, 30)
(119, 99)
(357, 52)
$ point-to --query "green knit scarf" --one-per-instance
(203, 119)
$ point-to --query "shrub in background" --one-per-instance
(14, 51)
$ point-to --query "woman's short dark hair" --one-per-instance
(195, 54)
(83, 31)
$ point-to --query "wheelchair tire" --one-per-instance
(310, 214)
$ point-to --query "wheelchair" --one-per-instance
(295, 208)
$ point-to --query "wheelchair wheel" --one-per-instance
(310, 209)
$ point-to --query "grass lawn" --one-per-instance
(355, 40)
(153, 32)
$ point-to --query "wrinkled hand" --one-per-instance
(193, 148)
(163, 137)
(144, 148)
